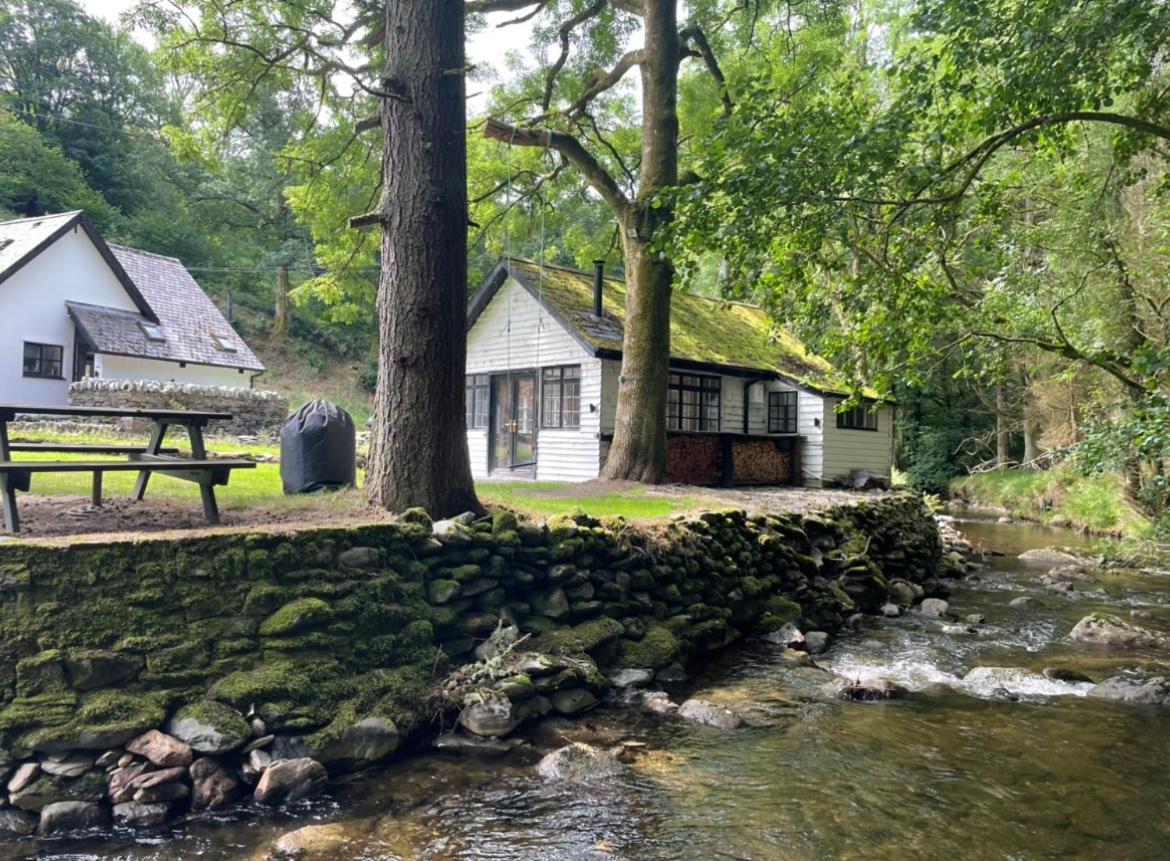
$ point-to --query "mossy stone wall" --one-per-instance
(319, 629)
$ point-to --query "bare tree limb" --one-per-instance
(568, 146)
(565, 34)
(604, 81)
(694, 35)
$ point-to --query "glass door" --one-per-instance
(513, 420)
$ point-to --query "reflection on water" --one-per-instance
(1003, 765)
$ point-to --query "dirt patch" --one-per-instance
(769, 500)
(53, 517)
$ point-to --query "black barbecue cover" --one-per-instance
(318, 449)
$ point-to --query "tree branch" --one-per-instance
(693, 34)
(604, 81)
(591, 11)
(571, 148)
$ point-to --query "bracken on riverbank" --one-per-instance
(140, 680)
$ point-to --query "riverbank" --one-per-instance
(146, 679)
(1060, 497)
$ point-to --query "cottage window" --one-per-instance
(43, 360)
(561, 397)
(693, 403)
(477, 400)
(781, 412)
(857, 418)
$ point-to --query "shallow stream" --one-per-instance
(1018, 768)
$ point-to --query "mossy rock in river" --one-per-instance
(105, 719)
(657, 649)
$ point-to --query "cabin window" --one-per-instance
(477, 400)
(692, 403)
(43, 360)
(561, 396)
(781, 412)
(857, 418)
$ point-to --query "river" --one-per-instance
(1029, 769)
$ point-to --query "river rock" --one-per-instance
(367, 741)
(122, 784)
(710, 714)
(212, 786)
(453, 742)
(24, 775)
(657, 703)
(162, 792)
(1025, 602)
(865, 690)
(67, 764)
(631, 678)
(491, 717)
(890, 610)
(1049, 556)
(139, 815)
(210, 727)
(572, 701)
(161, 749)
(786, 635)
(1063, 674)
(578, 762)
(1154, 691)
(816, 642)
(17, 822)
(933, 607)
(290, 779)
(316, 843)
(1103, 629)
(62, 816)
(903, 592)
(957, 629)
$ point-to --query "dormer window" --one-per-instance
(224, 342)
(152, 331)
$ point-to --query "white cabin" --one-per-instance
(748, 404)
(75, 306)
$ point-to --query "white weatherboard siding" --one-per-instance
(810, 421)
(130, 368)
(515, 333)
(32, 306)
(847, 450)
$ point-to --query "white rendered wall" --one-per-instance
(32, 308)
(130, 368)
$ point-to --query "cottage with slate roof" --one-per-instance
(74, 306)
(747, 404)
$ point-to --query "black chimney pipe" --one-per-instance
(598, 285)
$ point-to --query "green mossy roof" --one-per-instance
(702, 329)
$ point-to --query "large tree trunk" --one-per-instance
(1002, 433)
(638, 452)
(419, 446)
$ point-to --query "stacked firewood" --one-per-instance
(692, 459)
(761, 462)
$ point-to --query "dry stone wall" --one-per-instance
(253, 411)
(142, 679)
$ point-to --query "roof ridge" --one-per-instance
(586, 272)
(70, 214)
(145, 252)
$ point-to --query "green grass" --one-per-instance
(547, 498)
(1092, 503)
(261, 487)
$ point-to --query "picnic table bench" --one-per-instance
(143, 459)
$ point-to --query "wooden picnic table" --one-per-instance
(143, 459)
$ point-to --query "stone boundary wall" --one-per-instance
(254, 411)
(145, 678)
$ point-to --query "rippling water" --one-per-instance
(1022, 768)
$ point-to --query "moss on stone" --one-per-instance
(296, 616)
(42, 673)
(657, 649)
(224, 719)
(104, 719)
(581, 638)
(42, 710)
(784, 609)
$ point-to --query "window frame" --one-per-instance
(708, 385)
(477, 390)
(859, 418)
(776, 411)
(41, 360)
(554, 378)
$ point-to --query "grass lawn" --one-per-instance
(260, 487)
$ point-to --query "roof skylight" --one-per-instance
(224, 342)
(152, 331)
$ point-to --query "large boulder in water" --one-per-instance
(579, 762)
(710, 714)
(1154, 691)
(1104, 629)
(1050, 556)
(319, 842)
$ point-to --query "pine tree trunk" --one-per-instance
(419, 446)
(638, 452)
